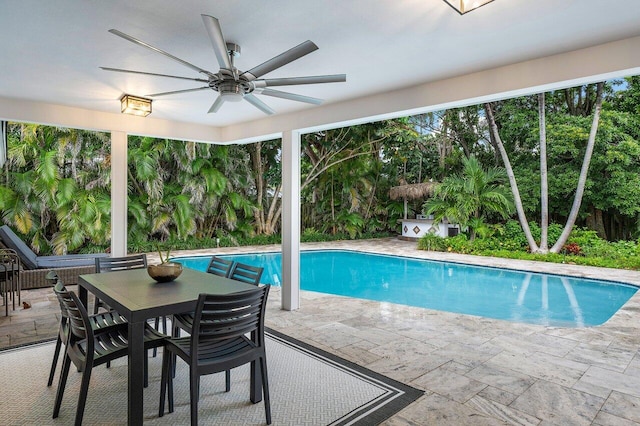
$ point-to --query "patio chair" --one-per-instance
(219, 266)
(35, 268)
(219, 343)
(88, 348)
(246, 273)
(9, 278)
(99, 323)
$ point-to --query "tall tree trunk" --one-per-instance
(575, 208)
(493, 128)
(258, 170)
(544, 186)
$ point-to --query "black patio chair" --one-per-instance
(219, 266)
(87, 348)
(246, 273)
(219, 342)
(10, 278)
(100, 323)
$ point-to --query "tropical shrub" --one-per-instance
(432, 242)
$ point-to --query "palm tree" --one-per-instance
(577, 201)
(469, 197)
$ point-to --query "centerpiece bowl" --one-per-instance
(165, 272)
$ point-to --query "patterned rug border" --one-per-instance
(398, 395)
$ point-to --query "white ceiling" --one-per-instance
(51, 51)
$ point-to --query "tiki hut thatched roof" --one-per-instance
(413, 191)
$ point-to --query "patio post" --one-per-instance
(290, 220)
(118, 193)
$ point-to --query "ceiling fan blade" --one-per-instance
(155, 49)
(175, 92)
(154, 74)
(282, 59)
(259, 104)
(291, 81)
(216, 105)
(290, 96)
(217, 40)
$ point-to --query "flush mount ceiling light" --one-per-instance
(135, 105)
(464, 6)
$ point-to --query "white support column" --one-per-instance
(118, 194)
(290, 220)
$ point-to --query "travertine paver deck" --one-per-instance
(475, 371)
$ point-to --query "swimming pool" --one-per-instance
(489, 292)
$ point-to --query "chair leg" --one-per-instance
(156, 325)
(163, 382)
(227, 380)
(62, 383)
(194, 382)
(84, 389)
(265, 389)
(55, 360)
(175, 332)
(172, 367)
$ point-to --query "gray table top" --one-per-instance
(136, 296)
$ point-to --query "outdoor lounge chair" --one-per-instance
(35, 267)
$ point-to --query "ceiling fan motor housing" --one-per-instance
(231, 90)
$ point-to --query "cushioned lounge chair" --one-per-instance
(35, 267)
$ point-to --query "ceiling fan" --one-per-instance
(232, 84)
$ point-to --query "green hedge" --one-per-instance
(583, 247)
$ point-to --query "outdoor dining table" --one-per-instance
(138, 298)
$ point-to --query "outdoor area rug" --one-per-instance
(308, 386)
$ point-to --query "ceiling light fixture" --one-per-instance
(464, 6)
(135, 105)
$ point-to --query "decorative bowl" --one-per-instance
(165, 272)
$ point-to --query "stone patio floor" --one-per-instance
(474, 371)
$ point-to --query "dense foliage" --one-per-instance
(584, 247)
(55, 188)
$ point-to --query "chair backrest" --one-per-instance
(109, 264)
(12, 241)
(246, 273)
(219, 266)
(225, 317)
(77, 315)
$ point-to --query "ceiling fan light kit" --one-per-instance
(464, 6)
(232, 84)
(135, 105)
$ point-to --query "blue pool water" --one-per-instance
(489, 292)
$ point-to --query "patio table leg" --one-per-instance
(137, 353)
